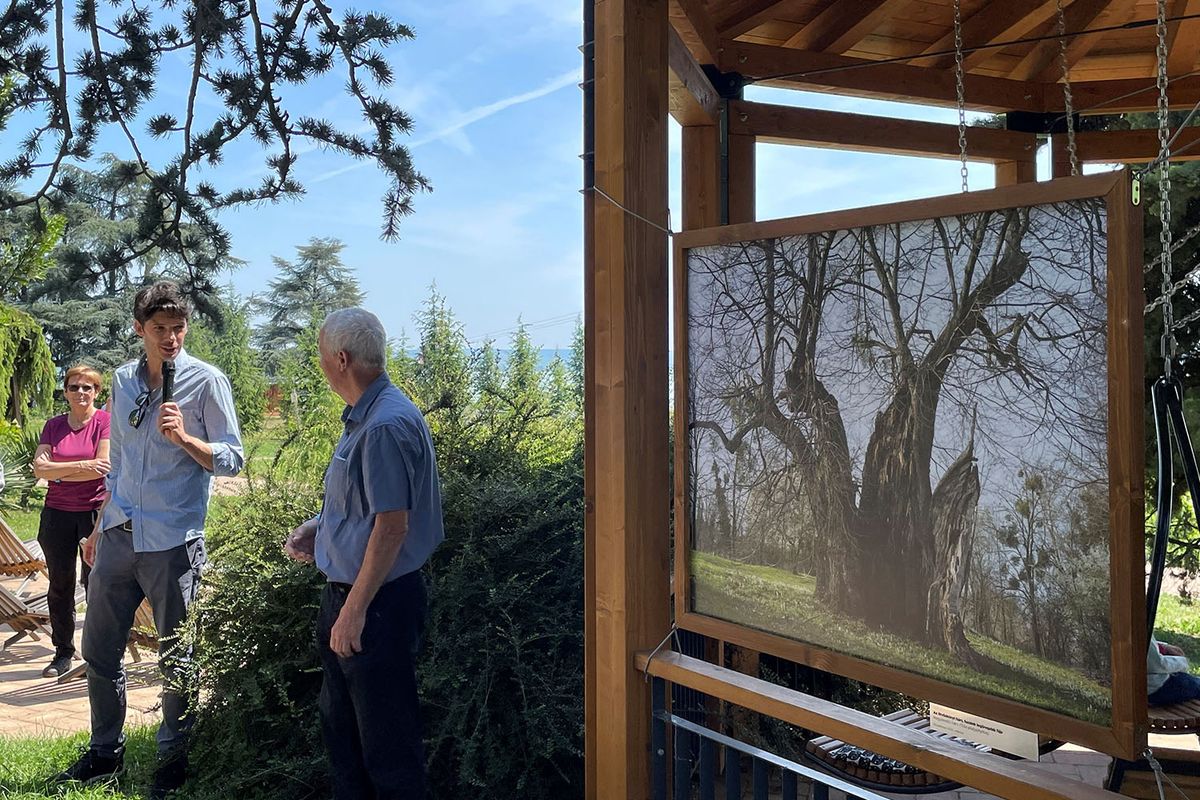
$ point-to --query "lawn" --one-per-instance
(263, 445)
(27, 763)
(742, 593)
(1178, 623)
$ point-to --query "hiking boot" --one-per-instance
(61, 665)
(170, 775)
(92, 768)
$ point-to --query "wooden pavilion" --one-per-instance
(690, 59)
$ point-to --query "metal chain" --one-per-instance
(1067, 100)
(1180, 242)
(1165, 297)
(1167, 344)
(960, 93)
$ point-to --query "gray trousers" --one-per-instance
(119, 581)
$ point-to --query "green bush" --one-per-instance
(256, 732)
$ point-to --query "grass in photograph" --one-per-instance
(784, 603)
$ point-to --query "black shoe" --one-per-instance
(61, 665)
(170, 775)
(92, 768)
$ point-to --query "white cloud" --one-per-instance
(470, 117)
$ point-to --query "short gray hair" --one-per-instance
(359, 333)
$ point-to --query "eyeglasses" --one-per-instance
(138, 414)
(80, 387)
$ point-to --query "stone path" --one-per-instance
(31, 705)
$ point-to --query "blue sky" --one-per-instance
(492, 86)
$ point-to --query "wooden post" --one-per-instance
(700, 177)
(1013, 172)
(627, 278)
(741, 179)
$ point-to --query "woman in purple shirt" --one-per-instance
(72, 456)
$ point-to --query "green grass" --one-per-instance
(263, 445)
(24, 522)
(27, 763)
(786, 604)
(1178, 623)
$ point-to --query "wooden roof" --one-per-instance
(823, 44)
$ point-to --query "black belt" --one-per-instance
(344, 588)
(126, 526)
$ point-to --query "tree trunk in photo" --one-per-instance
(955, 502)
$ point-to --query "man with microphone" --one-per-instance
(173, 429)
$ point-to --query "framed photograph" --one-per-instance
(910, 449)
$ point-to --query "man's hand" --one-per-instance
(170, 424)
(1170, 649)
(300, 543)
(89, 548)
(345, 638)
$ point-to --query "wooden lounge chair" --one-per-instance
(873, 771)
(19, 559)
(142, 634)
(25, 616)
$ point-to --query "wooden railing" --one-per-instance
(1016, 780)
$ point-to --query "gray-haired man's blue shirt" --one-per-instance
(383, 462)
(154, 482)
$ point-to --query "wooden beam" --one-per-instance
(842, 25)
(693, 100)
(694, 24)
(627, 271)
(826, 72)
(746, 15)
(993, 22)
(1183, 38)
(1121, 96)
(1131, 147)
(1078, 16)
(1014, 779)
(843, 131)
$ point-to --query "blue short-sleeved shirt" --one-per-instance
(383, 462)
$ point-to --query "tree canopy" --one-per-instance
(77, 77)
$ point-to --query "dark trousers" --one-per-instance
(370, 715)
(1180, 687)
(59, 534)
(121, 578)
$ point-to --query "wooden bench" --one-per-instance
(874, 771)
(1178, 719)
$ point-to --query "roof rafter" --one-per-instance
(1116, 13)
(1183, 38)
(1076, 17)
(746, 15)
(993, 22)
(842, 25)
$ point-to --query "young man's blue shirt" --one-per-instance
(155, 483)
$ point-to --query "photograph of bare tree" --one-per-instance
(898, 446)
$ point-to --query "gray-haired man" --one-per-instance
(381, 520)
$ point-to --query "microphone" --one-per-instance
(168, 378)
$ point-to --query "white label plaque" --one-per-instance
(981, 730)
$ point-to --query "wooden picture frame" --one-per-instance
(1126, 735)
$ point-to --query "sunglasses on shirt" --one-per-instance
(139, 412)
